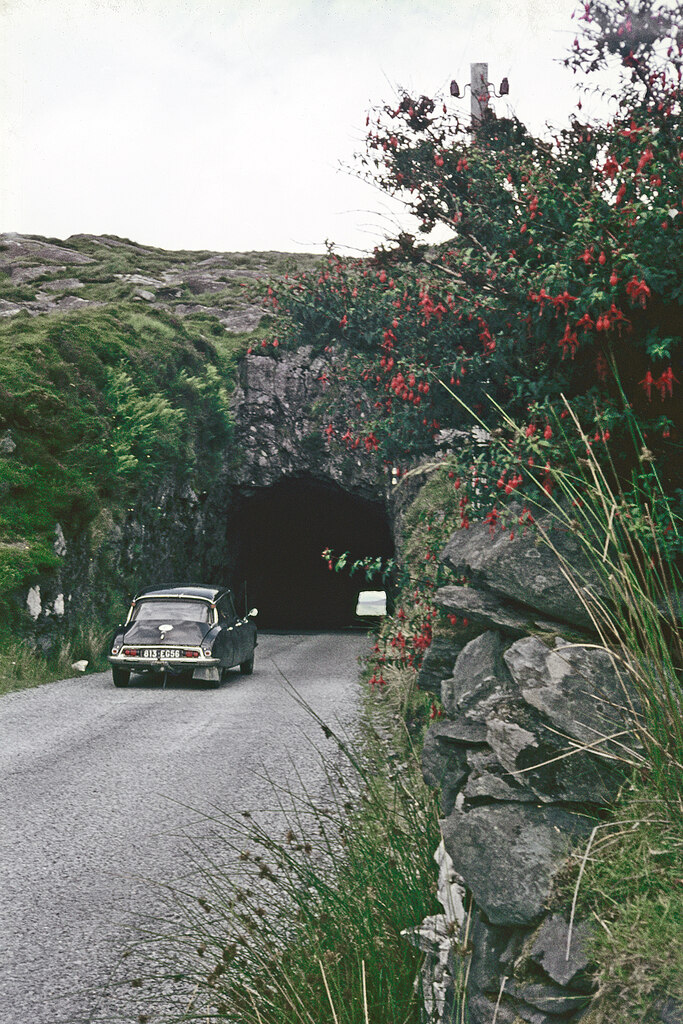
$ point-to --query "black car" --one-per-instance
(190, 631)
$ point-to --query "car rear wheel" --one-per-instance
(120, 676)
(247, 667)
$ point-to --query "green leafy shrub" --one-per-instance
(100, 405)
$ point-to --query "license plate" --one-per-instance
(160, 653)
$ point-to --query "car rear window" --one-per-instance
(175, 610)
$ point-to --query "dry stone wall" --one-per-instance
(524, 759)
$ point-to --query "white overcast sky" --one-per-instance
(222, 124)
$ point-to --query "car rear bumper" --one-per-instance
(139, 664)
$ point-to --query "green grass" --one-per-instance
(103, 403)
(632, 893)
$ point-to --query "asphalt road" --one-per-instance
(103, 790)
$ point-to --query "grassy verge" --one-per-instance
(23, 666)
(308, 927)
(99, 405)
(102, 404)
(631, 890)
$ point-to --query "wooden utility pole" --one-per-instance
(479, 90)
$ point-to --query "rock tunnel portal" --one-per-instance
(278, 535)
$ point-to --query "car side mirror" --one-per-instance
(253, 613)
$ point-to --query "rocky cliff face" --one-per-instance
(281, 427)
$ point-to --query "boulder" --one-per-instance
(20, 246)
(525, 569)
(509, 854)
(437, 664)
(669, 1011)
(8, 445)
(549, 950)
(444, 763)
(479, 676)
(481, 1009)
(530, 1015)
(548, 998)
(576, 688)
(488, 781)
(542, 761)
(493, 952)
(491, 612)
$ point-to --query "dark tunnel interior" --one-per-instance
(279, 535)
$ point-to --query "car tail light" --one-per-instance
(191, 654)
(130, 652)
(207, 652)
(115, 650)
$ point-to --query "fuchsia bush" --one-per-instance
(563, 275)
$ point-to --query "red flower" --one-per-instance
(647, 382)
(665, 383)
(645, 158)
(638, 291)
(492, 518)
(610, 168)
(569, 342)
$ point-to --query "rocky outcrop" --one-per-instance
(526, 760)
(44, 278)
(121, 552)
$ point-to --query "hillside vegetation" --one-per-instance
(116, 366)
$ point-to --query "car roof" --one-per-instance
(195, 592)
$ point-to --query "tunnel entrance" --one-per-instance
(279, 534)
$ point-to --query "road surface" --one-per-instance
(102, 791)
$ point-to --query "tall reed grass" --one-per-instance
(630, 537)
(633, 542)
